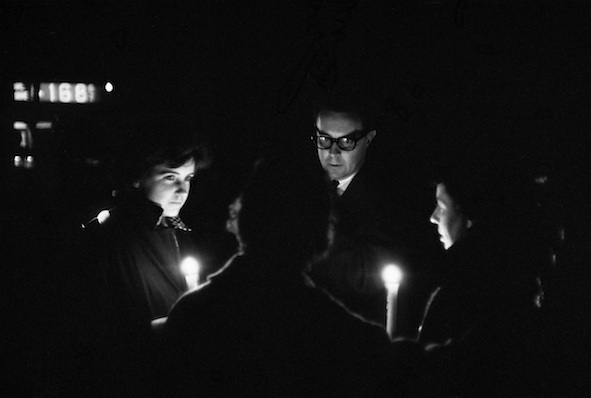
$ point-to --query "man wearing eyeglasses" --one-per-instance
(363, 240)
(342, 144)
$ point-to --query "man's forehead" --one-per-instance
(337, 123)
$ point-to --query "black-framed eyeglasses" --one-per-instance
(345, 143)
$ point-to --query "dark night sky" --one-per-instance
(508, 77)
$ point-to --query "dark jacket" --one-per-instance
(134, 277)
(366, 239)
(257, 329)
(139, 264)
(486, 311)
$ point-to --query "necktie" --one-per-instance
(335, 188)
(334, 191)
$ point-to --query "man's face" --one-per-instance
(340, 164)
(451, 222)
(168, 187)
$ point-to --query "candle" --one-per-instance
(392, 276)
(190, 267)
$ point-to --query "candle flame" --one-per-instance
(190, 266)
(391, 274)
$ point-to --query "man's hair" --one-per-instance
(355, 111)
(160, 139)
(285, 210)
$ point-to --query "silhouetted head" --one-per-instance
(284, 211)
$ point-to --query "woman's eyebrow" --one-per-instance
(166, 171)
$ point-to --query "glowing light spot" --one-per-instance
(92, 162)
(18, 161)
(44, 125)
(20, 125)
(541, 180)
(29, 162)
(109, 87)
(190, 266)
(103, 216)
(21, 92)
(392, 275)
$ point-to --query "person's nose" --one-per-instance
(334, 149)
(183, 187)
(434, 218)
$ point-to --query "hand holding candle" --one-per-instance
(190, 267)
(392, 276)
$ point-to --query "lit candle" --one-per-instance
(392, 276)
(190, 267)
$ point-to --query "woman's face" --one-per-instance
(169, 187)
(451, 222)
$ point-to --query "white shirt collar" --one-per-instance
(344, 184)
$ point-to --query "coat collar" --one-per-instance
(145, 213)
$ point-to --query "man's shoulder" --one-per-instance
(195, 299)
(369, 186)
(324, 306)
(200, 313)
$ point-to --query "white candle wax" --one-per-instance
(392, 276)
(192, 281)
(392, 309)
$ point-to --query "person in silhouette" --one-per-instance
(259, 327)
(482, 321)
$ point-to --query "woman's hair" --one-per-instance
(158, 139)
(477, 186)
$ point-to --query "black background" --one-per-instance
(506, 79)
(500, 77)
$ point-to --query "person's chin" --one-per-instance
(333, 171)
(446, 243)
(334, 174)
(172, 211)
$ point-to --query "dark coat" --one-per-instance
(487, 308)
(139, 266)
(260, 330)
(366, 239)
(135, 277)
